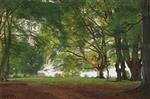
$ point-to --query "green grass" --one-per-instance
(46, 80)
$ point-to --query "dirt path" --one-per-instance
(18, 90)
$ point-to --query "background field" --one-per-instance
(97, 81)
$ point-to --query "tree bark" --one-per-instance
(120, 62)
(100, 73)
(6, 48)
(146, 45)
(146, 42)
(118, 71)
(124, 75)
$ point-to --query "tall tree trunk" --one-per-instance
(146, 42)
(6, 48)
(146, 45)
(120, 67)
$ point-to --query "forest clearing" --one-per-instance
(68, 49)
(68, 88)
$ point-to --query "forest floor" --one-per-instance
(29, 90)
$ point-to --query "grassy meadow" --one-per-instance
(69, 80)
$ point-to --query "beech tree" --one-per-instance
(146, 45)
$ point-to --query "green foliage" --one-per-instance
(126, 14)
(72, 34)
(45, 11)
(71, 65)
(25, 59)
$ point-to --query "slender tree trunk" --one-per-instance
(124, 75)
(6, 49)
(118, 71)
(103, 63)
